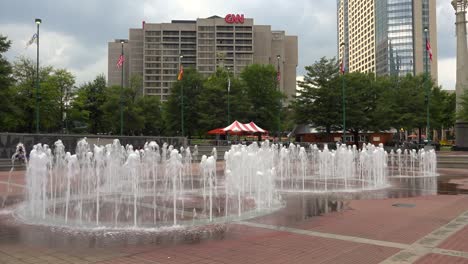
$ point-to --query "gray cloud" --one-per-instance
(81, 29)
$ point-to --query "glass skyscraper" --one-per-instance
(399, 38)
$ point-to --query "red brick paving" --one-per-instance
(265, 247)
(17, 177)
(458, 241)
(378, 219)
(461, 183)
(441, 259)
(374, 219)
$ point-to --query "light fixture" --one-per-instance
(38, 21)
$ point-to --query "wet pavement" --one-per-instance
(311, 228)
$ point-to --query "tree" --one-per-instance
(361, 103)
(62, 82)
(410, 105)
(151, 112)
(24, 72)
(136, 84)
(190, 86)
(263, 95)
(85, 113)
(448, 115)
(9, 110)
(133, 120)
(318, 101)
(213, 101)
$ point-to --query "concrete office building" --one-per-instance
(154, 51)
(387, 36)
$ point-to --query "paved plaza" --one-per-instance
(399, 225)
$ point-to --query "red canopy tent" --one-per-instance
(237, 128)
(255, 129)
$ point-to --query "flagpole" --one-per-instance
(229, 91)
(278, 76)
(181, 99)
(38, 22)
(343, 70)
(121, 89)
(428, 133)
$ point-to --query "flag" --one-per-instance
(181, 73)
(229, 84)
(32, 40)
(429, 49)
(278, 76)
(121, 61)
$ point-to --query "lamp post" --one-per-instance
(426, 82)
(228, 97)
(181, 99)
(343, 92)
(38, 22)
(278, 79)
(228, 101)
(121, 89)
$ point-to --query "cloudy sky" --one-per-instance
(74, 34)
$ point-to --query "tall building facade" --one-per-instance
(387, 37)
(154, 51)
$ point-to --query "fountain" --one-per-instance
(118, 187)
(297, 169)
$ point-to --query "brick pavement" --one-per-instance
(441, 259)
(367, 231)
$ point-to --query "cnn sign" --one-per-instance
(234, 19)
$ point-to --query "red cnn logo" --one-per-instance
(234, 18)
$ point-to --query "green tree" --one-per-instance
(8, 109)
(362, 99)
(448, 110)
(151, 112)
(62, 82)
(263, 95)
(318, 100)
(409, 100)
(213, 101)
(133, 120)
(86, 114)
(136, 84)
(190, 86)
(24, 72)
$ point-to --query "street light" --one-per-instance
(229, 90)
(343, 70)
(182, 99)
(428, 133)
(38, 22)
(278, 79)
(121, 88)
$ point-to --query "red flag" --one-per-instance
(181, 73)
(121, 61)
(278, 76)
(429, 49)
